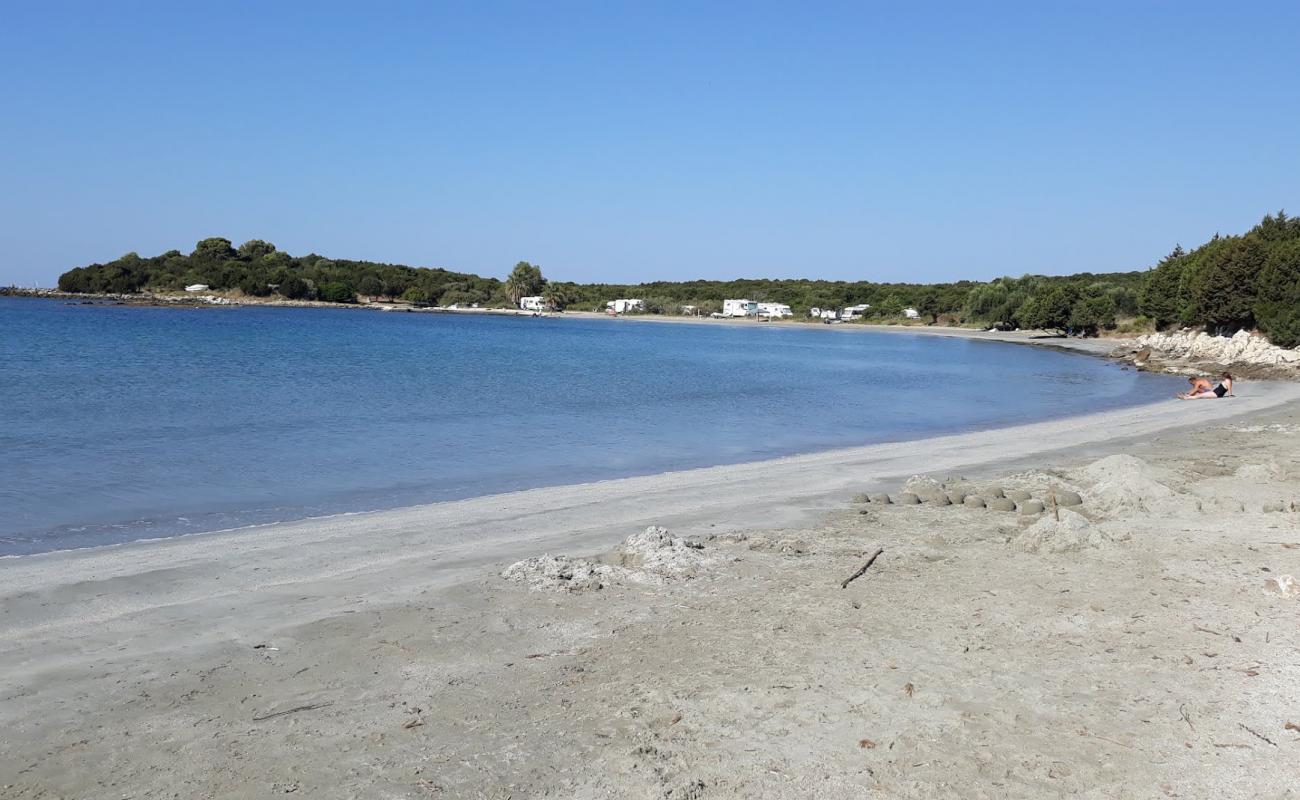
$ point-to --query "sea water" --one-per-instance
(122, 422)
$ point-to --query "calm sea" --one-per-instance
(121, 423)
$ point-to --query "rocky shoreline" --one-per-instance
(1244, 354)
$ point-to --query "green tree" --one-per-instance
(254, 249)
(1050, 310)
(558, 296)
(1225, 285)
(1277, 305)
(891, 306)
(525, 281)
(370, 285)
(1092, 313)
(294, 288)
(335, 292)
(214, 249)
(929, 305)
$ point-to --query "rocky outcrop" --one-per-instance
(1244, 352)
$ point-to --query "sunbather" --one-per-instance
(1201, 389)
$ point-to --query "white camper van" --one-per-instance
(739, 308)
(851, 313)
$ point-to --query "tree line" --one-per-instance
(1224, 285)
(258, 269)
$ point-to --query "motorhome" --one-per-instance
(855, 312)
(739, 308)
(624, 306)
(911, 313)
(535, 303)
(774, 310)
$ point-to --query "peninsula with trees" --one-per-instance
(1246, 281)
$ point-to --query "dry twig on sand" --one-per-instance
(1257, 735)
(294, 710)
(845, 583)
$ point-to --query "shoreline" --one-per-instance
(706, 497)
(1099, 346)
(1094, 346)
(384, 653)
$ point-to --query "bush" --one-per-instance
(1093, 313)
(294, 288)
(1281, 323)
(336, 293)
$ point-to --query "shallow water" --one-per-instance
(120, 423)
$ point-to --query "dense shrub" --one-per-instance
(336, 293)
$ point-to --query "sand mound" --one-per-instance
(926, 488)
(550, 573)
(1124, 485)
(1266, 472)
(1072, 533)
(654, 555)
(1117, 469)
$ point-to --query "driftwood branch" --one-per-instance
(1256, 734)
(294, 710)
(863, 569)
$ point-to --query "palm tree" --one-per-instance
(525, 281)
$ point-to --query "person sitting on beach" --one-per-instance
(1199, 386)
(1201, 389)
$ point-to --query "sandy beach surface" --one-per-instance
(1093, 346)
(1132, 648)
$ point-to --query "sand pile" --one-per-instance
(1123, 485)
(652, 556)
(548, 573)
(655, 556)
(1264, 472)
(1073, 532)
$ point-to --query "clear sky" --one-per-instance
(637, 141)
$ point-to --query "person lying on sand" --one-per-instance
(1201, 389)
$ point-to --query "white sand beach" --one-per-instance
(1133, 654)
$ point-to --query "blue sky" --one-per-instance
(642, 141)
